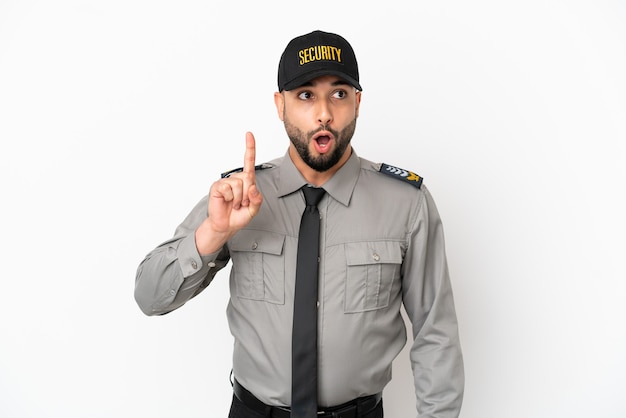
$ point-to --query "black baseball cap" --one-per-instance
(315, 54)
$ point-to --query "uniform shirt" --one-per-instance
(381, 245)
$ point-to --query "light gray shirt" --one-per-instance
(382, 245)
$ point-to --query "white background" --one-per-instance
(116, 116)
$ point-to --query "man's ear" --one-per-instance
(358, 103)
(279, 101)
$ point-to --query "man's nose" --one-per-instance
(324, 113)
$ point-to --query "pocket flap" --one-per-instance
(373, 252)
(258, 241)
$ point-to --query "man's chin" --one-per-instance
(322, 163)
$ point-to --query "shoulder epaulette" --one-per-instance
(240, 169)
(402, 174)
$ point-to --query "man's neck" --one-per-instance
(312, 176)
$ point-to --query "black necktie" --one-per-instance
(304, 340)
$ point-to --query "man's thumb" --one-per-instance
(256, 198)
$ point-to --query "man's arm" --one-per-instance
(175, 272)
(183, 266)
(435, 354)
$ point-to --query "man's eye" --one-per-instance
(339, 94)
(305, 95)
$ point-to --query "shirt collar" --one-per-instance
(340, 186)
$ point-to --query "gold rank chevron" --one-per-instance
(402, 174)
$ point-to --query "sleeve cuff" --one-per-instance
(191, 262)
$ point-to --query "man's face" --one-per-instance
(320, 119)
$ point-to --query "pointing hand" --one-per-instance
(233, 202)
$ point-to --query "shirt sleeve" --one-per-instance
(435, 354)
(174, 272)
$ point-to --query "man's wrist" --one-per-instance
(209, 241)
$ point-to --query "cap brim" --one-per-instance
(305, 78)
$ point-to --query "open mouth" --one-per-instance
(322, 142)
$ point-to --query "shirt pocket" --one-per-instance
(258, 265)
(371, 269)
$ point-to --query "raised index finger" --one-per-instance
(250, 155)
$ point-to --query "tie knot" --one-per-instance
(313, 195)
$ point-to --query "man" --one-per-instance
(380, 243)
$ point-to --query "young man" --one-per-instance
(377, 243)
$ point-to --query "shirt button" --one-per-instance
(172, 292)
(255, 246)
(194, 265)
(211, 264)
(376, 257)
